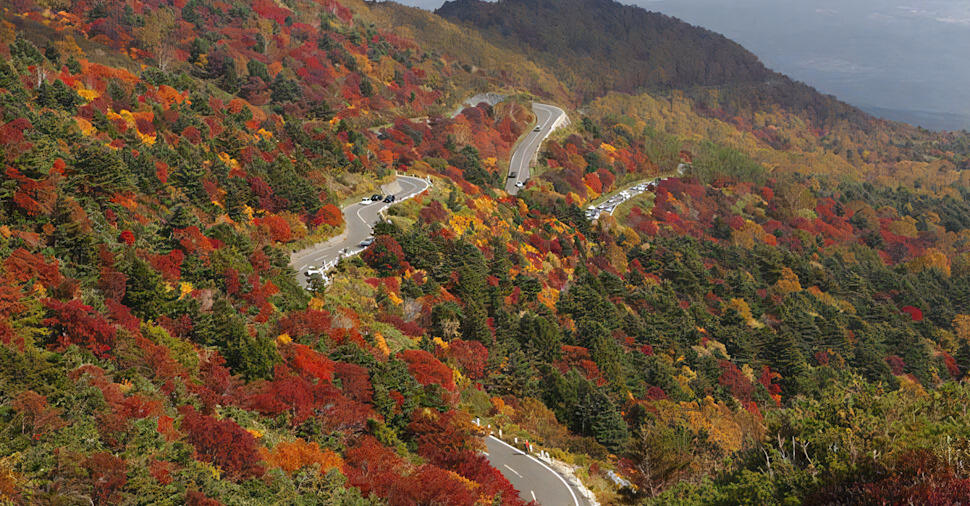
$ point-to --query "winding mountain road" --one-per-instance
(548, 118)
(534, 480)
(360, 219)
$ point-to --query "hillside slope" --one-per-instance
(161, 159)
(601, 45)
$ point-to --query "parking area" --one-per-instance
(609, 205)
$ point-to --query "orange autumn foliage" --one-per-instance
(295, 455)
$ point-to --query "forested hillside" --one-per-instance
(600, 45)
(786, 320)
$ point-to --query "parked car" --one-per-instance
(367, 242)
(513, 174)
(376, 197)
(390, 198)
(365, 201)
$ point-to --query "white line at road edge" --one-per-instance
(303, 258)
(537, 461)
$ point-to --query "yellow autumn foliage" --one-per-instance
(933, 258)
(87, 129)
(961, 325)
(787, 283)
(381, 344)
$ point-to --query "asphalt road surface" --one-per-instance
(533, 479)
(546, 117)
(360, 219)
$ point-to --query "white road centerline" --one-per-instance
(537, 461)
(513, 470)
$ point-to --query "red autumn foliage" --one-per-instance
(308, 324)
(122, 410)
(734, 380)
(470, 356)
(434, 212)
(37, 415)
(914, 313)
(385, 255)
(217, 382)
(22, 266)
(290, 393)
(354, 381)
(276, 228)
(223, 443)
(76, 323)
(108, 474)
(432, 485)
(442, 437)
(161, 470)
(767, 379)
(822, 357)
(170, 265)
(36, 197)
(373, 468)
(196, 498)
(475, 466)
(192, 240)
(896, 364)
(309, 362)
(951, 366)
(328, 215)
(161, 172)
(916, 477)
(112, 283)
(428, 370)
(412, 329)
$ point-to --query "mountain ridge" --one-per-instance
(652, 33)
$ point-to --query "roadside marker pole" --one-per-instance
(557, 475)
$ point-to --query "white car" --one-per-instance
(364, 201)
(537, 129)
(520, 184)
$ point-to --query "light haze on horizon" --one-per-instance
(893, 54)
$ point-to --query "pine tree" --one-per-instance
(609, 428)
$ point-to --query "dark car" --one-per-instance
(376, 197)
(390, 198)
(512, 174)
(651, 187)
